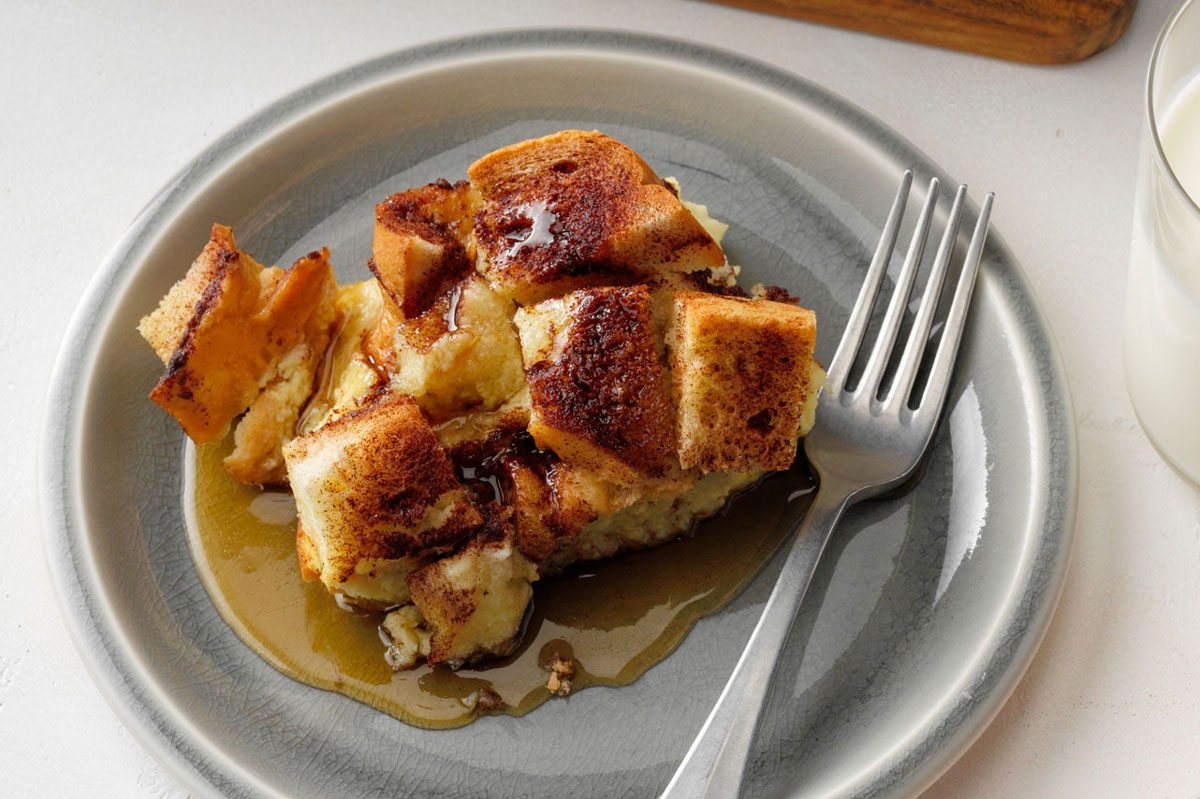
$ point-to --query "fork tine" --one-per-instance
(943, 362)
(856, 327)
(882, 351)
(918, 337)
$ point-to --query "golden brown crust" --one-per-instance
(544, 499)
(310, 559)
(503, 468)
(166, 326)
(607, 389)
(420, 331)
(375, 484)
(578, 208)
(392, 465)
(421, 242)
(245, 320)
(741, 380)
(442, 317)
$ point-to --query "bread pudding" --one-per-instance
(552, 363)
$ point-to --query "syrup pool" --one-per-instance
(615, 618)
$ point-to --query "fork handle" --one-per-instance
(716, 762)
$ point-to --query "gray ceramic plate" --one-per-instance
(922, 617)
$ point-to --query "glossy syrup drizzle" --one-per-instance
(540, 231)
(615, 618)
(451, 315)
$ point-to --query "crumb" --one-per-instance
(774, 293)
(561, 673)
(726, 275)
(483, 700)
(489, 701)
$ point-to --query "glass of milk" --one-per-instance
(1162, 323)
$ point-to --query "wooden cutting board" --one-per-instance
(1035, 31)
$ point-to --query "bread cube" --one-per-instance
(598, 391)
(226, 330)
(741, 374)
(576, 209)
(474, 600)
(534, 515)
(420, 242)
(552, 505)
(376, 497)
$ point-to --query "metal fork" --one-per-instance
(867, 440)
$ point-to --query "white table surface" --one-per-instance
(103, 101)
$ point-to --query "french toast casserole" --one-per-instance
(553, 362)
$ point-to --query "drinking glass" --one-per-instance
(1162, 323)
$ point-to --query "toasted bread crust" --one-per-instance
(534, 513)
(578, 208)
(245, 320)
(375, 484)
(607, 387)
(552, 506)
(499, 462)
(420, 331)
(741, 380)
(178, 312)
(420, 243)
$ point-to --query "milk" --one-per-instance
(1162, 342)
(1180, 135)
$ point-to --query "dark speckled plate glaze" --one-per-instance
(926, 608)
